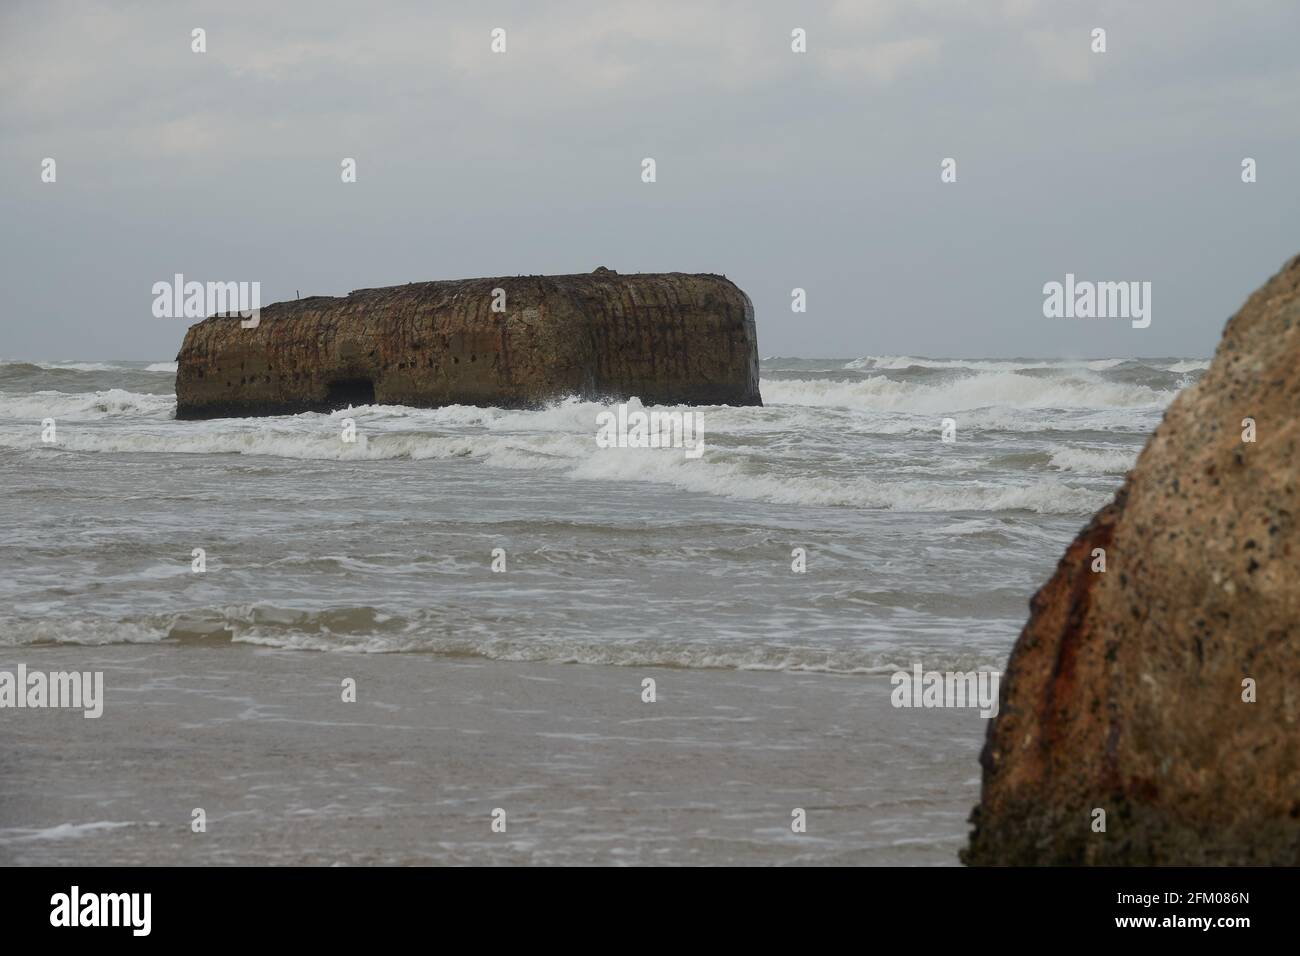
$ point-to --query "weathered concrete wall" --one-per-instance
(670, 338)
(1125, 690)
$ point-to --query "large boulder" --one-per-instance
(1129, 690)
(669, 338)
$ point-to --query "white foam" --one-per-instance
(1191, 365)
(735, 479)
(561, 439)
(80, 366)
(1004, 389)
(62, 831)
(83, 406)
(290, 629)
(1097, 461)
(899, 362)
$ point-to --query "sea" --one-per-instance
(875, 513)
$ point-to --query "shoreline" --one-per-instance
(288, 773)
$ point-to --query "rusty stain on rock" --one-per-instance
(1124, 690)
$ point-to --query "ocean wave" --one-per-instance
(79, 366)
(900, 362)
(719, 472)
(736, 480)
(65, 366)
(22, 365)
(1193, 365)
(993, 389)
(82, 406)
(1097, 461)
(323, 444)
(345, 630)
(61, 831)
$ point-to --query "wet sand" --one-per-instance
(587, 773)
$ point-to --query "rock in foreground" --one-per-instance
(1124, 692)
(668, 338)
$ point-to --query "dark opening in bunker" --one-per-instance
(350, 391)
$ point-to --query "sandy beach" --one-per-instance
(410, 773)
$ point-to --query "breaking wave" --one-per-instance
(1108, 461)
(1002, 388)
(367, 630)
(82, 406)
(560, 440)
(1046, 437)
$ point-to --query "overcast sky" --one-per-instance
(781, 170)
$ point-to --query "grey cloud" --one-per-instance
(781, 170)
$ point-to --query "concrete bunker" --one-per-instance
(512, 342)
